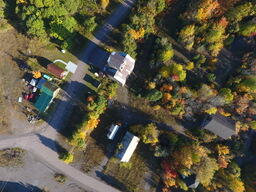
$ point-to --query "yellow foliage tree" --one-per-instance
(206, 10)
(167, 97)
(151, 85)
(165, 71)
(104, 3)
(92, 124)
(222, 149)
(137, 34)
(211, 111)
(190, 66)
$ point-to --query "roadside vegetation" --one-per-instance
(11, 157)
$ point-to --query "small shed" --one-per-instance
(71, 67)
(128, 146)
(222, 126)
(56, 70)
(112, 131)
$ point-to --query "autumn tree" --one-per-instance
(148, 133)
(90, 24)
(231, 181)
(154, 95)
(177, 72)
(205, 170)
(2, 7)
(226, 93)
(248, 29)
(162, 52)
(206, 9)
(187, 36)
(248, 84)
(239, 12)
(188, 155)
(104, 3)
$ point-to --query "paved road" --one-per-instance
(43, 144)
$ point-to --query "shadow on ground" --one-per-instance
(53, 145)
(17, 187)
(111, 181)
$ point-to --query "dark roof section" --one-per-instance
(191, 181)
(55, 70)
(49, 88)
(222, 126)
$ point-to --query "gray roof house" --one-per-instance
(119, 66)
(222, 126)
(128, 146)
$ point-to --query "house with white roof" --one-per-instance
(127, 147)
(119, 66)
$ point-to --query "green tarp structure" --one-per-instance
(43, 101)
(48, 88)
(46, 95)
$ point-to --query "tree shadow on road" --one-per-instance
(111, 181)
(18, 187)
(53, 145)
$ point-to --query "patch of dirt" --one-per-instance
(10, 75)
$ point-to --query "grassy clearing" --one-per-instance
(127, 177)
(92, 156)
(11, 157)
(160, 115)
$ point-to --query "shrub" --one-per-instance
(248, 29)
(67, 157)
(90, 24)
(148, 133)
(104, 3)
(178, 73)
(247, 85)
(253, 124)
(60, 177)
(211, 111)
(226, 93)
(187, 35)
(160, 151)
(154, 95)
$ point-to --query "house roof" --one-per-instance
(55, 70)
(123, 65)
(222, 126)
(129, 144)
(43, 102)
(49, 88)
